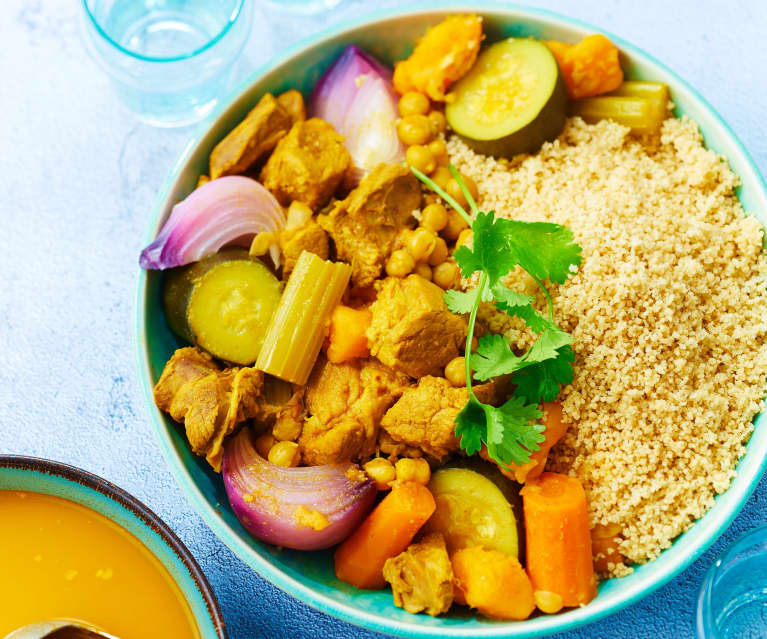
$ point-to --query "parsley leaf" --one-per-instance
(541, 381)
(547, 252)
(470, 426)
(512, 433)
(461, 303)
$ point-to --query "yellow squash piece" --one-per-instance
(301, 322)
(472, 511)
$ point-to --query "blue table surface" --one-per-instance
(78, 178)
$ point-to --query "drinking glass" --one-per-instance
(733, 597)
(169, 60)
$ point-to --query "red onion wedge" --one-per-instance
(226, 211)
(306, 508)
(356, 96)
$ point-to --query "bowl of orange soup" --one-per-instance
(75, 546)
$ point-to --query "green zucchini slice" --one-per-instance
(512, 101)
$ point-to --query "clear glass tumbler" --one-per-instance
(169, 60)
(733, 597)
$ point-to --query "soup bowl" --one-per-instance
(309, 576)
(35, 475)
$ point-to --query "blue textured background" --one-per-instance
(78, 177)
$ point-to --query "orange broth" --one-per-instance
(60, 559)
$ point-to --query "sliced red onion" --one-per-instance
(272, 501)
(226, 211)
(356, 96)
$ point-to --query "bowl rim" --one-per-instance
(716, 519)
(146, 515)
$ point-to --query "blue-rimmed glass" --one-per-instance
(733, 597)
(169, 60)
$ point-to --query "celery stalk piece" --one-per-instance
(642, 115)
(657, 92)
(301, 321)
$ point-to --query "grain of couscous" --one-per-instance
(666, 314)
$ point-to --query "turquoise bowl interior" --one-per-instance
(309, 576)
(32, 474)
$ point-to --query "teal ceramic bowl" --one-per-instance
(32, 474)
(309, 577)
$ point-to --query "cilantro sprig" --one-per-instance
(545, 251)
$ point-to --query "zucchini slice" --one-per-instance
(223, 303)
(512, 101)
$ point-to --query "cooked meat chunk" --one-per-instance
(421, 577)
(365, 224)
(307, 237)
(251, 139)
(345, 403)
(424, 417)
(412, 331)
(293, 103)
(307, 165)
(188, 364)
(210, 402)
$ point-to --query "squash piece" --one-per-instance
(590, 67)
(347, 339)
(472, 511)
(444, 54)
(512, 101)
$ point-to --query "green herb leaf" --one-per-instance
(512, 433)
(470, 426)
(546, 252)
(460, 302)
(541, 381)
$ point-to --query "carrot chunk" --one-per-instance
(558, 537)
(492, 582)
(386, 532)
(347, 339)
(590, 67)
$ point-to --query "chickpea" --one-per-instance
(423, 269)
(403, 237)
(438, 253)
(445, 275)
(434, 217)
(420, 157)
(441, 176)
(438, 149)
(421, 244)
(455, 224)
(413, 103)
(438, 121)
(548, 602)
(381, 471)
(285, 454)
(264, 444)
(464, 237)
(455, 371)
(454, 190)
(414, 129)
(416, 470)
(400, 263)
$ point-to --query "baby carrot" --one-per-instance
(386, 532)
(558, 538)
